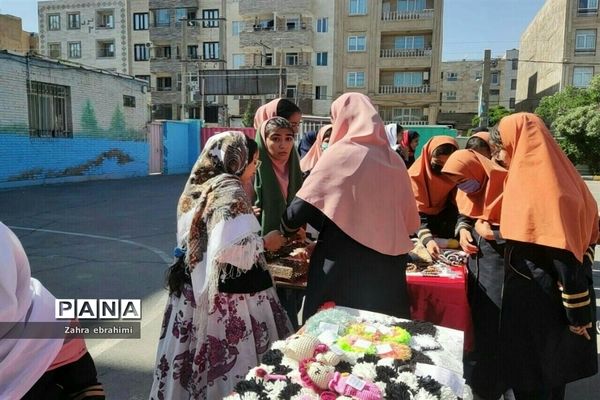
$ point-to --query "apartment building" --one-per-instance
(111, 35)
(462, 82)
(13, 37)
(296, 36)
(565, 55)
(186, 36)
(391, 51)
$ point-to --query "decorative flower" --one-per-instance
(409, 379)
(423, 394)
(365, 371)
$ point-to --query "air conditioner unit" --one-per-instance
(426, 75)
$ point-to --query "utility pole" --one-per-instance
(183, 60)
(485, 89)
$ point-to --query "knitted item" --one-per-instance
(301, 347)
(340, 384)
(392, 334)
(316, 375)
(318, 322)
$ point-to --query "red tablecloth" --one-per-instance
(442, 301)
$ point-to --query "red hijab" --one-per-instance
(351, 182)
(486, 203)
(545, 200)
(431, 190)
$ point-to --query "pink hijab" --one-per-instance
(265, 112)
(280, 168)
(309, 161)
(360, 183)
(23, 299)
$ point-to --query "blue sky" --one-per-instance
(470, 26)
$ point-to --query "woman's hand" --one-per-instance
(274, 240)
(466, 241)
(581, 330)
(484, 229)
(304, 253)
(256, 211)
(433, 249)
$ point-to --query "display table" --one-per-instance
(442, 301)
(439, 300)
(344, 353)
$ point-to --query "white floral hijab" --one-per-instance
(215, 222)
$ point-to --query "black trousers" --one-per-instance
(74, 380)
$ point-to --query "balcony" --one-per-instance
(276, 37)
(406, 15)
(391, 89)
(404, 53)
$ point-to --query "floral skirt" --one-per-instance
(241, 327)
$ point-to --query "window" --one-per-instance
(511, 103)
(211, 50)
(494, 92)
(582, 76)
(105, 19)
(128, 101)
(405, 6)
(452, 76)
(322, 25)
(54, 22)
(54, 50)
(588, 6)
(236, 28)
(292, 24)
(268, 59)
(143, 77)
(515, 64)
(74, 49)
(187, 14)
(74, 20)
(357, 7)
(322, 58)
(141, 52)
(212, 16)
(321, 92)
(408, 79)
(162, 17)
(495, 78)
(409, 42)
(140, 21)
(163, 83)
(585, 40)
(192, 52)
(239, 60)
(355, 79)
(513, 84)
(478, 75)
(451, 95)
(49, 108)
(162, 52)
(290, 91)
(357, 43)
(291, 58)
(407, 114)
(105, 48)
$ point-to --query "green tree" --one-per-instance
(561, 103)
(248, 117)
(117, 123)
(578, 133)
(495, 113)
(89, 123)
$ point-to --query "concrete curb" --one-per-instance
(591, 177)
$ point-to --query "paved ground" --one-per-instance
(113, 239)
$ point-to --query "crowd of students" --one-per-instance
(512, 197)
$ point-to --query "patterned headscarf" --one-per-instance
(213, 193)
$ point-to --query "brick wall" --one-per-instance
(109, 139)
